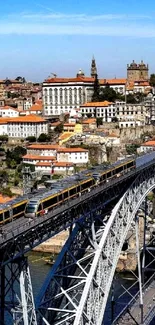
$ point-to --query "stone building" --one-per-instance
(136, 72)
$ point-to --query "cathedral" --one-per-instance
(137, 72)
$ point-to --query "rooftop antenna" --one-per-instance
(54, 75)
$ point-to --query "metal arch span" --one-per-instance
(93, 301)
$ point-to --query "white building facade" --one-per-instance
(63, 95)
(128, 115)
(8, 111)
(25, 126)
(73, 155)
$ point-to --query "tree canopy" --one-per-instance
(43, 137)
(96, 90)
(152, 80)
(14, 156)
(59, 128)
(31, 138)
(108, 94)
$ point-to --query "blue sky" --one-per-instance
(44, 36)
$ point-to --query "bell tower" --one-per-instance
(93, 68)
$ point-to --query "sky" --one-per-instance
(41, 37)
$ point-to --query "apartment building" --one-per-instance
(8, 111)
(127, 114)
(24, 126)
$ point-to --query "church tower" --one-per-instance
(93, 68)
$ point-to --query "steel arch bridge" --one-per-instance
(77, 288)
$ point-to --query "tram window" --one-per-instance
(65, 195)
(6, 215)
(40, 207)
(103, 177)
(1, 216)
(59, 197)
(108, 174)
(73, 191)
(78, 189)
(50, 202)
(118, 170)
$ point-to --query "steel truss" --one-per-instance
(19, 241)
(78, 286)
(16, 294)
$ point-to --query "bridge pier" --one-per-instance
(16, 296)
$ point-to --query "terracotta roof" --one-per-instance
(43, 146)
(150, 143)
(3, 120)
(112, 135)
(25, 119)
(89, 121)
(37, 157)
(65, 135)
(97, 104)
(72, 150)
(86, 79)
(36, 107)
(113, 81)
(39, 102)
(56, 164)
(69, 124)
(5, 199)
(67, 80)
(55, 123)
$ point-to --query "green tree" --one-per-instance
(152, 80)
(114, 119)
(4, 138)
(31, 138)
(6, 192)
(59, 128)
(96, 90)
(43, 137)
(32, 167)
(131, 149)
(15, 154)
(108, 94)
(99, 121)
(130, 99)
(13, 164)
(4, 177)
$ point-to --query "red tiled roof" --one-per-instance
(71, 150)
(43, 146)
(55, 123)
(56, 164)
(37, 157)
(150, 143)
(5, 199)
(97, 104)
(69, 124)
(25, 119)
(67, 80)
(36, 107)
(113, 81)
(89, 121)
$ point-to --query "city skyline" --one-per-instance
(38, 38)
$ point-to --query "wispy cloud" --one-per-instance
(84, 17)
(43, 29)
(53, 23)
